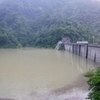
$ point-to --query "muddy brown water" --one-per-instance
(42, 74)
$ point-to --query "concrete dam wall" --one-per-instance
(89, 51)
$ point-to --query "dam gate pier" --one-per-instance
(89, 51)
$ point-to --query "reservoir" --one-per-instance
(42, 74)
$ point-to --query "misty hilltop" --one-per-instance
(42, 23)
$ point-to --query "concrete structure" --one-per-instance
(82, 41)
(90, 51)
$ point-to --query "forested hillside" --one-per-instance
(42, 23)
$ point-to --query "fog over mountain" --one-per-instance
(42, 23)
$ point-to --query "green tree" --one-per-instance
(94, 83)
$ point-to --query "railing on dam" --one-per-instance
(90, 51)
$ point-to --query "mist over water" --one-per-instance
(42, 74)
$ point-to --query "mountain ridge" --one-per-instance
(42, 23)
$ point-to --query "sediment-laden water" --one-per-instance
(43, 74)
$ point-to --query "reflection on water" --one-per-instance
(38, 71)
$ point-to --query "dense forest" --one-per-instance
(42, 23)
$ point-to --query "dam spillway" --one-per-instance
(89, 51)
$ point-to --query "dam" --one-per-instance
(89, 51)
